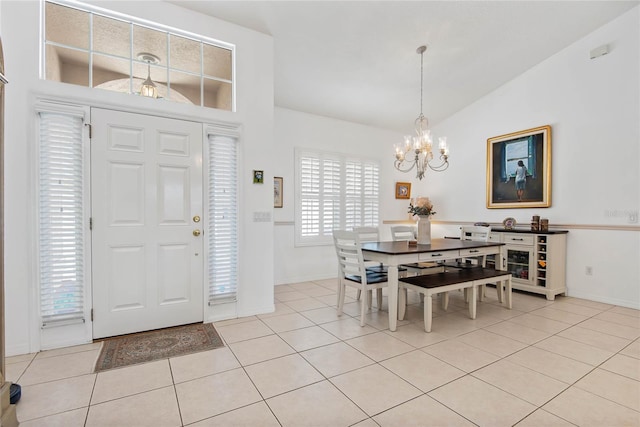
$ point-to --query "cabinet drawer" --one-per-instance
(435, 256)
(518, 239)
(476, 252)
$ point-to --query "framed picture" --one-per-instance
(258, 177)
(519, 169)
(277, 191)
(403, 190)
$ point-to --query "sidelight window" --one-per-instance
(62, 218)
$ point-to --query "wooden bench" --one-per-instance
(433, 284)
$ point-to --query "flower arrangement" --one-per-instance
(422, 207)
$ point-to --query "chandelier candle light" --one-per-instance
(422, 144)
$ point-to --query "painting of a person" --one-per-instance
(521, 179)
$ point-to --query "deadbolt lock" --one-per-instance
(196, 233)
(196, 218)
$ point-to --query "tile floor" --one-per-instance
(561, 363)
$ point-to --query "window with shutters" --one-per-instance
(223, 219)
(62, 218)
(334, 192)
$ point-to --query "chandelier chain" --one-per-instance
(421, 79)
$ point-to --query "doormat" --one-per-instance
(144, 347)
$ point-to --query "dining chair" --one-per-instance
(352, 271)
(403, 232)
(479, 234)
(408, 232)
(370, 234)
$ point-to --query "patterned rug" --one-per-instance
(144, 347)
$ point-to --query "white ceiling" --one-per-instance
(357, 60)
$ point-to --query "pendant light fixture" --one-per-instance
(148, 87)
(417, 151)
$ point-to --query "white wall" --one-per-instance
(254, 76)
(295, 129)
(593, 108)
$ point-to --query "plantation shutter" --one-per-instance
(333, 193)
(370, 195)
(223, 219)
(310, 196)
(61, 218)
(353, 193)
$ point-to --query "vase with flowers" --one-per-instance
(423, 209)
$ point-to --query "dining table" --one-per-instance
(396, 253)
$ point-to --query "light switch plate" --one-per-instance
(262, 216)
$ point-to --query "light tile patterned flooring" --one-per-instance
(561, 363)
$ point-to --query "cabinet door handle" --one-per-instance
(517, 240)
(473, 251)
(436, 255)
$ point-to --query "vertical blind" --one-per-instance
(61, 218)
(223, 219)
(335, 192)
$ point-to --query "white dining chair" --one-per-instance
(403, 232)
(479, 234)
(352, 271)
(408, 232)
(370, 234)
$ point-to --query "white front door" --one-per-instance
(146, 205)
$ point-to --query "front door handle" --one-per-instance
(196, 233)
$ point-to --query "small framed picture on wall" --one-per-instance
(277, 191)
(403, 190)
(258, 177)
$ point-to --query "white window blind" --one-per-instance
(223, 219)
(335, 192)
(61, 218)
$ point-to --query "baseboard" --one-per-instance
(17, 350)
(605, 300)
(299, 279)
(221, 315)
(253, 311)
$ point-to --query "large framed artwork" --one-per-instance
(519, 169)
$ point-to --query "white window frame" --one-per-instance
(339, 196)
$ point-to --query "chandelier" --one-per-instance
(417, 151)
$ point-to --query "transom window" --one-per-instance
(87, 48)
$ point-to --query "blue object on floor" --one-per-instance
(15, 391)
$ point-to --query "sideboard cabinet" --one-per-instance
(536, 259)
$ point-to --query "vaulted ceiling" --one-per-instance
(357, 60)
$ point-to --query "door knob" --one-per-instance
(196, 218)
(196, 233)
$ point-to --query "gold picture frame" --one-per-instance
(516, 155)
(403, 190)
(277, 191)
